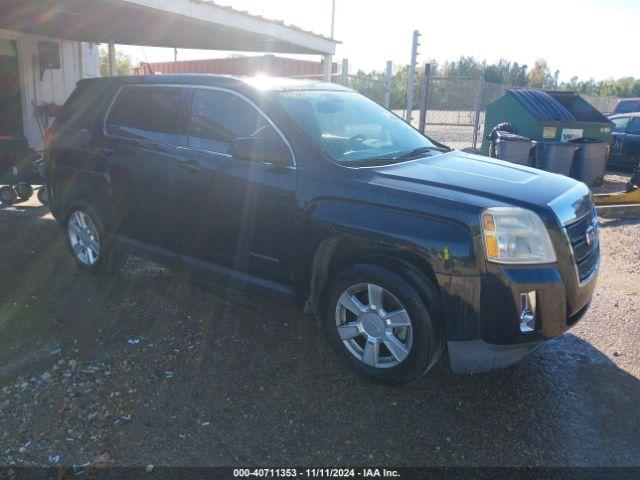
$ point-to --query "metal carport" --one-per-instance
(162, 23)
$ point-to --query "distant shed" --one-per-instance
(549, 116)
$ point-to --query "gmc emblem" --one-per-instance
(591, 235)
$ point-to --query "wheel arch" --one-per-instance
(72, 187)
(336, 253)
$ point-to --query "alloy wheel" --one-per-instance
(84, 239)
(373, 325)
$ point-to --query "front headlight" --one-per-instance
(516, 235)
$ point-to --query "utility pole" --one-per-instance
(412, 73)
(333, 17)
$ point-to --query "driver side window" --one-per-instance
(218, 118)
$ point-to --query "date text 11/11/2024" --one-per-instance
(316, 473)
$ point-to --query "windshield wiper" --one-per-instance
(418, 151)
(386, 160)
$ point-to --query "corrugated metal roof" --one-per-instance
(260, 17)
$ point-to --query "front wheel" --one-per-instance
(384, 324)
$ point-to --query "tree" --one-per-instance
(124, 64)
(540, 75)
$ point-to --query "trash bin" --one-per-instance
(589, 161)
(513, 148)
(546, 116)
(556, 157)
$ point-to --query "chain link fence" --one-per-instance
(453, 108)
(604, 104)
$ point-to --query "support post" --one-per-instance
(388, 86)
(175, 55)
(345, 72)
(411, 76)
(476, 113)
(328, 64)
(424, 97)
(112, 60)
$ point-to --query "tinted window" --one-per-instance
(218, 118)
(620, 124)
(628, 106)
(151, 113)
(634, 126)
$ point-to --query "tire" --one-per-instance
(8, 195)
(87, 240)
(24, 191)
(43, 196)
(403, 354)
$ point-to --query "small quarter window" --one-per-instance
(147, 113)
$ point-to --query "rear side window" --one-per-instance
(148, 113)
(218, 118)
(620, 124)
(86, 106)
(628, 106)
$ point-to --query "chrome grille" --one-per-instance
(585, 254)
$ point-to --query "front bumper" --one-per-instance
(495, 340)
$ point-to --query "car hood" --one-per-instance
(488, 178)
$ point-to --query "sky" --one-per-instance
(585, 38)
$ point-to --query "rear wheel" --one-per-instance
(87, 240)
(382, 324)
(8, 195)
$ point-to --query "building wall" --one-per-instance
(77, 60)
(260, 65)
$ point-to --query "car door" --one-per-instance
(631, 143)
(625, 150)
(233, 213)
(142, 131)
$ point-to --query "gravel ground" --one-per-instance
(141, 367)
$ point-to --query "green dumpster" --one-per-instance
(547, 117)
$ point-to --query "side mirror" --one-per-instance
(261, 149)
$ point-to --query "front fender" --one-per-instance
(447, 246)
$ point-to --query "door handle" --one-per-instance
(190, 165)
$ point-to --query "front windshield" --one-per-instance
(350, 128)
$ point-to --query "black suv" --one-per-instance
(312, 194)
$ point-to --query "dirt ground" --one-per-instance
(141, 367)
